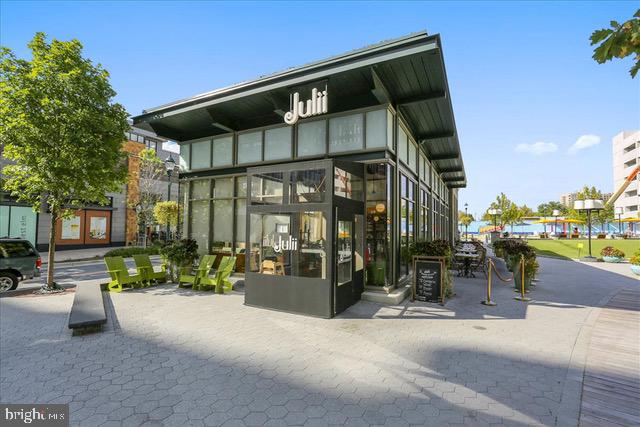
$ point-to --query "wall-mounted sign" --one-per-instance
(314, 106)
(71, 228)
(287, 244)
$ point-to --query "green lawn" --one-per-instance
(569, 248)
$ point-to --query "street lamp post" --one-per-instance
(556, 214)
(588, 206)
(495, 212)
(619, 212)
(466, 225)
(170, 165)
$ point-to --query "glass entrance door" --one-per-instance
(349, 261)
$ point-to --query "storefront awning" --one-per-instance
(407, 73)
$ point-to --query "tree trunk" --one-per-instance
(52, 251)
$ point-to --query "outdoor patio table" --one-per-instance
(466, 257)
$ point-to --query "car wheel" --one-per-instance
(8, 282)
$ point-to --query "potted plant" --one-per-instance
(177, 254)
(531, 267)
(635, 263)
(611, 254)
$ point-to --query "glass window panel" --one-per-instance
(222, 231)
(309, 186)
(271, 244)
(199, 225)
(412, 156)
(223, 187)
(241, 223)
(345, 133)
(223, 151)
(376, 129)
(376, 181)
(250, 147)
(358, 250)
(403, 186)
(241, 186)
(390, 129)
(201, 155)
(312, 138)
(344, 252)
(312, 260)
(347, 184)
(402, 144)
(185, 156)
(200, 189)
(277, 143)
(267, 188)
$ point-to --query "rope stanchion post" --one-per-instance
(522, 296)
(488, 300)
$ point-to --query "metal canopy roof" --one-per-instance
(407, 72)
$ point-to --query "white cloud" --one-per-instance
(585, 141)
(537, 148)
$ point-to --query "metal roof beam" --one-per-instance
(451, 178)
(451, 156)
(405, 102)
(441, 135)
(379, 89)
(451, 169)
(457, 185)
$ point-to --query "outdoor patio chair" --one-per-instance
(145, 269)
(206, 262)
(480, 264)
(220, 281)
(119, 274)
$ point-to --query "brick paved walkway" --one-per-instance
(175, 357)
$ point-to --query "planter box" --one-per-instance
(614, 259)
(635, 269)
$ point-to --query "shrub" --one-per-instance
(612, 252)
(179, 253)
(440, 248)
(635, 259)
(133, 250)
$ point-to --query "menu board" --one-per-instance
(427, 279)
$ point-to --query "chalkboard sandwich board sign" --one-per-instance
(428, 278)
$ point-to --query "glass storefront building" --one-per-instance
(318, 177)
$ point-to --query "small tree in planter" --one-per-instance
(611, 254)
(178, 254)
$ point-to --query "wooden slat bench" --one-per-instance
(87, 312)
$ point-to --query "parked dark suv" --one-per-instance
(19, 260)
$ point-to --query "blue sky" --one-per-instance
(523, 84)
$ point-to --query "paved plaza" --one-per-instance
(177, 357)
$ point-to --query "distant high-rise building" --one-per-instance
(567, 199)
(626, 157)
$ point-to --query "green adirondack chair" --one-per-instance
(220, 281)
(120, 276)
(145, 269)
(202, 272)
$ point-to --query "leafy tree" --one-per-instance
(602, 216)
(526, 211)
(60, 130)
(167, 213)
(151, 171)
(503, 203)
(619, 41)
(546, 209)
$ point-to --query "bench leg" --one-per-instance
(114, 286)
